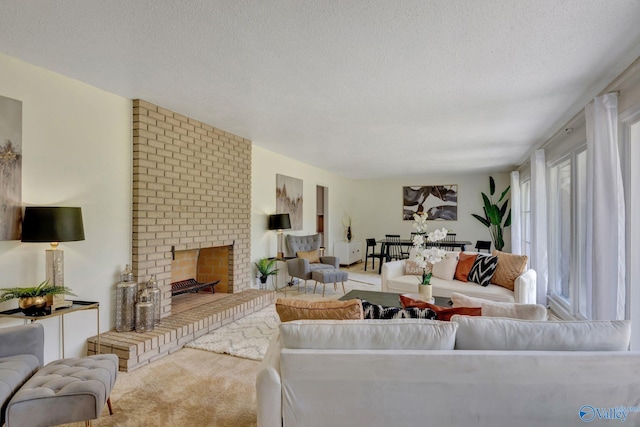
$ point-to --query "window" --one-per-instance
(525, 215)
(567, 233)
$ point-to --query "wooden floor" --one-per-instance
(193, 315)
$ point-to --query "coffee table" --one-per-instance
(387, 299)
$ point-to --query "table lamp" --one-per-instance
(53, 225)
(279, 222)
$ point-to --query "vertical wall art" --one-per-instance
(10, 169)
(289, 199)
(439, 201)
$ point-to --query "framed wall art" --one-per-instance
(440, 202)
(289, 199)
(10, 169)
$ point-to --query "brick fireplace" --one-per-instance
(205, 265)
(191, 191)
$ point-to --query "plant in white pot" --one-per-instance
(425, 256)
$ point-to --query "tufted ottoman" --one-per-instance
(327, 276)
(65, 391)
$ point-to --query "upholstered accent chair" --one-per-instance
(302, 268)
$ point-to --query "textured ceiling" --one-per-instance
(362, 88)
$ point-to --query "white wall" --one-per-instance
(265, 165)
(374, 205)
(378, 206)
(76, 152)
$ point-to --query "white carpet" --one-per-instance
(249, 337)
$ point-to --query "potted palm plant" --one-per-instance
(32, 300)
(266, 268)
(496, 217)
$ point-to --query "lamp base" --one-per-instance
(55, 277)
(57, 301)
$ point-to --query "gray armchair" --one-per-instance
(64, 391)
(21, 355)
(301, 268)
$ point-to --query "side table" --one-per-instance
(16, 313)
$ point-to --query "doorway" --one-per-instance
(322, 213)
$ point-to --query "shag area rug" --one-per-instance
(247, 337)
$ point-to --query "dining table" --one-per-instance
(450, 244)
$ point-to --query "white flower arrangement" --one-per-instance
(425, 256)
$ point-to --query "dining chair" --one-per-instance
(371, 243)
(406, 250)
(483, 244)
(451, 237)
(394, 247)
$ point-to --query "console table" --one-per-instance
(348, 252)
(16, 313)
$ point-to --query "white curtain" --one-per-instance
(539, 223)
(516, 214)
(605, 251)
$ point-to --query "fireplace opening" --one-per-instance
(205, 270)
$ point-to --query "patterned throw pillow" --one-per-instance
(483, 268)
(374, 311)
(510, 266)
(412, 269)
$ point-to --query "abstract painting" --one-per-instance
(440, 202)
(10, 169)
(289, 199)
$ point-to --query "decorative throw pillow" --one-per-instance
(509, 267)
(312, 256)
(411, 268)
(465, 262)
(375, 311)
(442, 313)
(482, 270)
(446, 268)
(291, 309)
(501, 309)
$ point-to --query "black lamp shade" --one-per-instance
(279, 221)
(52, 224)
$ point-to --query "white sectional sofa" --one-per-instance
(394, 280)
(413, 372)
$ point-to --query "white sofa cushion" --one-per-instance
(400, 334)
(494, 333)
(501, 309)
(446, 268)
(444, 288)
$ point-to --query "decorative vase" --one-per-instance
(425, 292)
(156, 298)
(32, 306)
(125, 306)
(127, 274)
(144, 312)
(349, 235)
